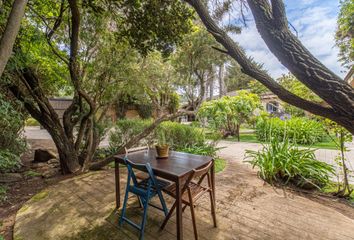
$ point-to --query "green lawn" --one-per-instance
(333, 188)
(251, 137)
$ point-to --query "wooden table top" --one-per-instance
(177, 165)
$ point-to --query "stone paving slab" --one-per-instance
(82, 208)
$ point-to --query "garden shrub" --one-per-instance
(281, 161)
(12, 144)
(8, 161)
(297, 130)
(124, 130)
(180, 135)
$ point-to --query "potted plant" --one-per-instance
(162, 147)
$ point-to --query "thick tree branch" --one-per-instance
(137, 138)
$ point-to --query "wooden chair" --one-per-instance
(191, 192)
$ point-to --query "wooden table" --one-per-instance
(176, 168)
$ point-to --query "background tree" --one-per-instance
(199, 66)
(228, 113)
(236, 79)
(70, 30)
(345, 33)
(272, 24)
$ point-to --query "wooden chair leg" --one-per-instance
(213, 208)
(193, 214)
(168, 216)
(212, 201)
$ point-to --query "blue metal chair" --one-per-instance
(144, 190)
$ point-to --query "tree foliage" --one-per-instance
(293, 85)
(196, 63)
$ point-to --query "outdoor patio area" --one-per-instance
(83, 208)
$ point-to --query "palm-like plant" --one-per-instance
(280, 161)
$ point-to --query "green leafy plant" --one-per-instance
(298, 130)
(280, 161)
(179, 135)
(8, 161)
(11, 126)
(228, 113)
(124, 130)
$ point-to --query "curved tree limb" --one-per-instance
(137, 138)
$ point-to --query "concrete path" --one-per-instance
(82, 208)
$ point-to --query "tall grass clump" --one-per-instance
(283, 162)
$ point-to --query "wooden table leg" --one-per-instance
(179, 227)
(117, 180)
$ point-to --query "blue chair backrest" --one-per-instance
(143, 167)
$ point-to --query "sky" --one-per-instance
(315, 22)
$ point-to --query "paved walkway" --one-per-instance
(83, 208)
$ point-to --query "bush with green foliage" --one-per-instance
(298, 130)
(12, 144)
(8, 161)
(280, 161)
(126, 129)
(180, 137)
(228, 113)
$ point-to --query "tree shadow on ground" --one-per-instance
(109, 229)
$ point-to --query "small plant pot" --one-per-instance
(162, 151)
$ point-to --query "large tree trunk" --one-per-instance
(11, 31)
(337, 93)
(68, 157)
